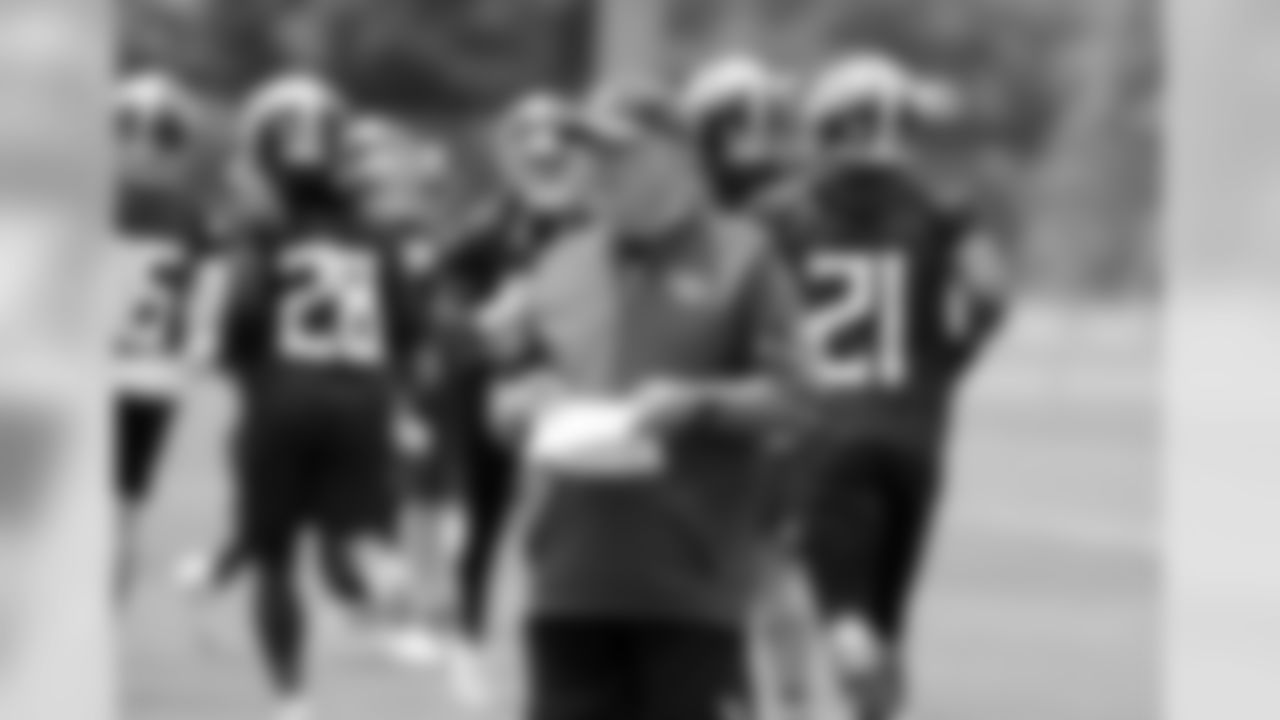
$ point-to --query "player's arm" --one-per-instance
(509, 335)
(209, 297)
(208, 304)
(980, 293)
(763, 393)
(241, 322)
(507, 325)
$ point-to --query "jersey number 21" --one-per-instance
(856, 336)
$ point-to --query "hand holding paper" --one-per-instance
(664, 405)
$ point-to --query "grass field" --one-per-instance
(1041, 602)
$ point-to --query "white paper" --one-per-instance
(594, 439)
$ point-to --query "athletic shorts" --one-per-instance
(142, 428)
(598, 669)
(319, 460)
(866, 521)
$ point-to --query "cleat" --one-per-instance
(467, 677)
(294, 710)
(414, 647)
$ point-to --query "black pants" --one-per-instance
(142, 428)
(868, 519)
(488, 490)
(635, 670)
(481, 471)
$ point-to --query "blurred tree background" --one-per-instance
(1064, 93)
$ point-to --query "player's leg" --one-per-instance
(487, 486)
(844, 525)
(275, 509)
(142, 426)
(427, 514)
(361, 558)
(910, 489)
(208, 572)
(578, 670)
(490, 488)
(431, 520)
(785, 626)
(690, 671)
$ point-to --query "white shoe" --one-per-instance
(295, 710)
(414, 646)
(467, 676)
(856, 649)
(194, 578)
(194, 574)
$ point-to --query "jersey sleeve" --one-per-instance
(507, 325)
(243, 325)
(976, 301)
(408, 321)
(783, 217)
(772, 314)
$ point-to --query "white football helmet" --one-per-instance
(296, 121)
(871, 107)
(734, 81)
(156, 119)
(739, 113)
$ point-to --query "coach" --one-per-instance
(666, 331)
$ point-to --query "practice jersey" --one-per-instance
(162, 245)
(884, 344)
(319, 300)
(499, 244)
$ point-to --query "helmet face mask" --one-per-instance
(870, 135)
(750, 135)
(301, 146)
(295, 135)
(155, 133)
(738, 112)
(871, 114)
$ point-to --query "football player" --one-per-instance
(318, 330)
(543, 174)
(738, 109)
(406, 182)
(161, 246)
(902, 286)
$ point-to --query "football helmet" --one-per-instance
(737, 110)
(871, 109)
(293, 132)
(156, 118)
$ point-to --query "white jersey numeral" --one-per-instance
(332, 313)
(868, 290)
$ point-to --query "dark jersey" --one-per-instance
(881, 277)
(161, 246)
(325, 299)
(500, 243)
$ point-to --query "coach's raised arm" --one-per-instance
(650, 351)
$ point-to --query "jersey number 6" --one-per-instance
(331, 314)
(855, 335)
